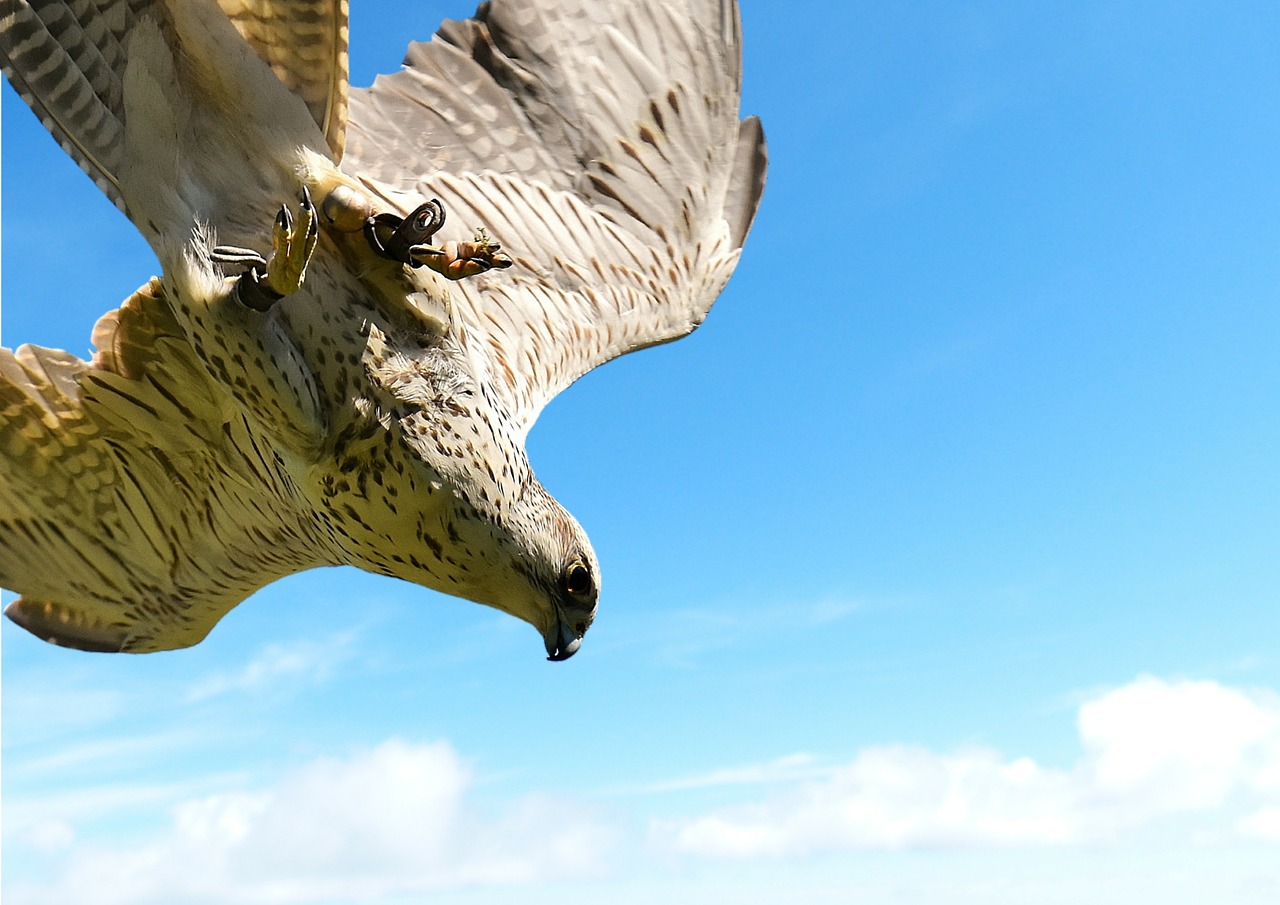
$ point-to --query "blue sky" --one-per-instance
(940, 566)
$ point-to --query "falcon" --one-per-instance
(367, 295)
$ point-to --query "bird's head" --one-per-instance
(560, 570)
(527, 557)
(460, 500)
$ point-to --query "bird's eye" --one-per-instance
(577, 580)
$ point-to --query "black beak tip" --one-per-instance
(563, 644)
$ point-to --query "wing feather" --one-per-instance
(305, 44)
(66, 59)
(601, 144)
(135, 451)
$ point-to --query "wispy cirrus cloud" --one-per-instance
(710, 630)
(1151, 750)
(274, 664)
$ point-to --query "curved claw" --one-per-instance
(267, 280)
(236, 256)
(250, 290)
(459, 260)
(293, 244)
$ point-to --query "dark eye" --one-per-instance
(577, 580)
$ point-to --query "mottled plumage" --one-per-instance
(338, 400)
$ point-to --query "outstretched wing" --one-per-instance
(132, 510)
(600, 143)
(66, 58)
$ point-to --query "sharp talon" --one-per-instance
(231, 254)
(313, 231)
(465, 267)
(292, 243)
(424, 254)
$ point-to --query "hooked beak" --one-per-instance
(562, 641)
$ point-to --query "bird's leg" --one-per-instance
(267, 280)
(407, 240)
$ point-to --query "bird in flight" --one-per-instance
(367, 295)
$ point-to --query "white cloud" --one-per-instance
(894, 797)
(785, 769)
(1160, 764)
(1178, 746)
(391, 821)
(1151, 749)
(1262, 824)
(48, 837)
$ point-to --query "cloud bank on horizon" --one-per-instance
(1196, 759)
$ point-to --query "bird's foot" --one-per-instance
(458, 260)
(407, 241)
(268, 280)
